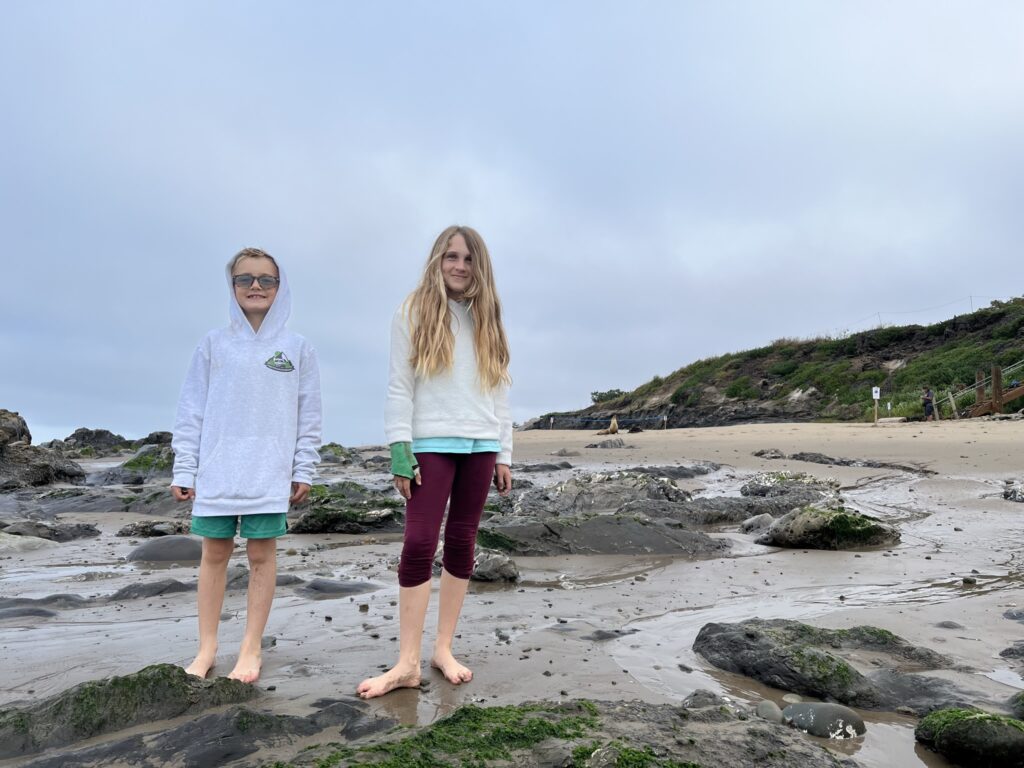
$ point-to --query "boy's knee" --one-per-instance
(218, 551)
(261, 551)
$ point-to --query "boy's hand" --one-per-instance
(183, 494)
(503, 479)
(299, 493)
(404, 484)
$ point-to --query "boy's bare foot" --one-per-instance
(454, 672)
(247, 668)
(399, 676)
(201, 664)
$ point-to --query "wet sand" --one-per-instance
(527, 641)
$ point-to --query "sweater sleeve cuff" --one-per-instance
(403, 460)
(184, 481)
(504, 457)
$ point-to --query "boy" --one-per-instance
(245, 440)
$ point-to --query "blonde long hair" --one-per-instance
(433, 344)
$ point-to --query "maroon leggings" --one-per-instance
(466, 478)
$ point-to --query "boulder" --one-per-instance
(153, 438)
(349, 507)
(830, 721)
(812, 661)
(23, 465)
(973, 737)
(95, 442)
(154, 693)
(9, 543)
(55, 532)
(168, 549)
(813, 527)
(13, 429)
(1016, 705)
(331, 589)
(757, 523)
(149, 462)
(145, 529)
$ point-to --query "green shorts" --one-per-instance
(252, 526)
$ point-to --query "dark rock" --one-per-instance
(949, 625)
(145, 529)
(348, 507)
(329, 589)
(378, 463)
(57, 532)
(1016, 705)
(1014, 614)
(50, 601)
(972, 737)
(155, 693)
(23, 465)
(151, 589)
(678, 472)
(770, 453)
(816, 528)
(24, 612)
(153, 438)
(13, 429)
(224, 738)
(810, 661)
(615, 442)
(494, 566)
(830, 721)
(600, 635)
(1016, 651)
(101, 441)
(784, 483)
(165, 549)
(757, 523)
(542, 467)
(149, 462)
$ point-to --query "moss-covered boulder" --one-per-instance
(705, 731)
(813, 527)
(348, 507)
(812, 661)
(149, 462)
(971, 737)
(1016, 705)
(154, 693)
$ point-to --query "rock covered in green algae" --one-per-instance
(812, 527)
(974, 738)
(154, 693)
(705, 731)
(810, 661)
(348, 507)
(1017, 705)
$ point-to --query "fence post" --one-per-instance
(952, 404)
(664, 421)
(997, 389)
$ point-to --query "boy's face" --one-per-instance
(254, 299)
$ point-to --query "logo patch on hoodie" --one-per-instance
(280, 362)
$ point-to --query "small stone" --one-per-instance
(364, 607)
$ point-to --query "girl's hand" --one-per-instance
(404, 484)
(183, 494)
(503, 479)
(299, 493)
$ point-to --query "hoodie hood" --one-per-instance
(276, 317)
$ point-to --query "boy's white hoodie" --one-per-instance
(248, 422)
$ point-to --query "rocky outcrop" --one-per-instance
(95, 442)
(23, 464)
(168, 549)
(637, 511)
(816, 662)
(975, 738)
(817, 528)
(55, 532)
(145, 529)
(149, 462)
(706, 730)
(155, 693)
(813, 457)
(348, 507)
(829, 721)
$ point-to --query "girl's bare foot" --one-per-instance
(201, 664)
(247, 668)
(454, 672)
(399, 676)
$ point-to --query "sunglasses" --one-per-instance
(246, 281)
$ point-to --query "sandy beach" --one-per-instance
(527, 641)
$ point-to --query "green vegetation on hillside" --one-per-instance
(836, 375)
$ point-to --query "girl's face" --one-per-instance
(457, 267)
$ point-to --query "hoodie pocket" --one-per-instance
(245, 468)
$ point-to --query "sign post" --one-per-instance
(876, 393)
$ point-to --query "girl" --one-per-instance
(448, 423)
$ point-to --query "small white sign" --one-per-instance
(876, 392)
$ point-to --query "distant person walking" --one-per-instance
(448, 423)
(245, 441)
(928, 400)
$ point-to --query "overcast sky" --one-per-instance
(658, 182)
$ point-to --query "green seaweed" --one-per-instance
(490, 539)
(151, 461)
